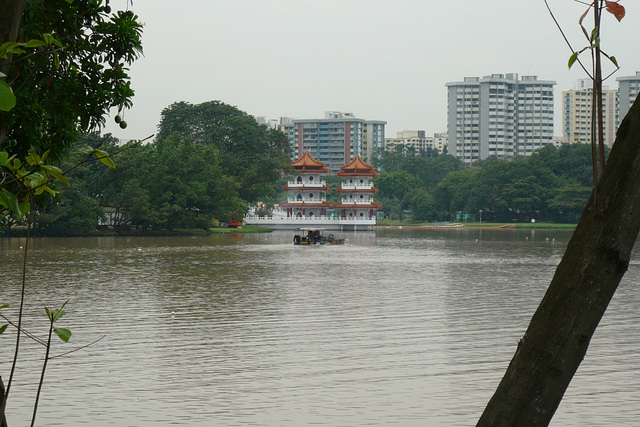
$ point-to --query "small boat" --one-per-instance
(332, 240)
(313, 236)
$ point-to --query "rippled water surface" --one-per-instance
(401, 327)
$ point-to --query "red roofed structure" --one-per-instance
(307, 192)
(307, 205)
(357, 191)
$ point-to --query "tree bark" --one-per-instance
(10, 17)
(3, 405)
(11, 12)
(596, 258)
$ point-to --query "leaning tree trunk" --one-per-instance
(596, 258)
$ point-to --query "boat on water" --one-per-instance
(313, 236)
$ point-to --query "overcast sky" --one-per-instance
(379, 59)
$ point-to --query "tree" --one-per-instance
(253, 155)
(62, 67)
(421, 205)
(596, 258)
(523, 195)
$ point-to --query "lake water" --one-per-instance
(396, 327)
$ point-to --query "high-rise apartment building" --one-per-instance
(628, 89)
(418, 140)
(577, 109)
(499, 115)
(336, 139)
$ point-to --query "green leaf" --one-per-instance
(7, 97)
(48, 38)
(35, 43)
(4, 158)
(103, 156)
(614, 60)
(56, 172)
(56, 60)
(572, 59)
(63, 334)
(3, 328)
(57, 314)
(25, 208)
(48, 312)
(10, 200)
(48, 190)
(4, 306)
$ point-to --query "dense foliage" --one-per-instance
(182, 180)
(178, 183)
(61, 71)
(552, 185)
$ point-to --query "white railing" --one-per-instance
(317, 220)
(356, 202)
(357, 186)
(294, 200)
(295, 184)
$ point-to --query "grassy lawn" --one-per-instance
(243, 229)
(525, 225)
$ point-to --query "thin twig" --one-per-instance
(565, 37)
(79, 348)
(24, 331)
(20, 311)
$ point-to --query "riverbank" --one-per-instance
(175, 232)
(475, 225)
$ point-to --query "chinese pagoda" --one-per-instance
(357, 191)
(307, 192)
(307, 205)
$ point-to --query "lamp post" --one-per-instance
(480, 216)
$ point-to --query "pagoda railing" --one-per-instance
(307, 184)
(357, 186)
(294, 200)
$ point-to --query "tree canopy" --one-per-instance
(253, 155)
(553, 184)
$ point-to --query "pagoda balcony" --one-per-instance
(306, 184)
(293, 200)
(357, 203)
(368, 186)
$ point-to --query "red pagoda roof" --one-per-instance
(357, 167)
(307, 163)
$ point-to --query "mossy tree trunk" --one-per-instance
(595, 260)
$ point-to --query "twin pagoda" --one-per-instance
(307, 204)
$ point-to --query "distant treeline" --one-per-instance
(553, 184)
(210, 161)
(207, 162)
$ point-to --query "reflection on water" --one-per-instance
(405, 327)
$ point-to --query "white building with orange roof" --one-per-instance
(307, 191)
(357, 191)
(307, 204)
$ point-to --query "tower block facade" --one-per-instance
(357, 191)
(307, 192)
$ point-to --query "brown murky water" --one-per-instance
(396, 327)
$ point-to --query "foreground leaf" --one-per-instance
(7, 97)
(616, 9)
(63, 333)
